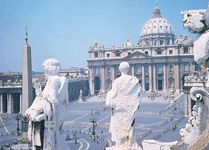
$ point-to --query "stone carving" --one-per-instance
(124, 99)
(96, 46)
(197, 22)
(194, 20)
(191, 132)
(184, 41)
(198, 120)
(47, 112)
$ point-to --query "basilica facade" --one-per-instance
(159, 59)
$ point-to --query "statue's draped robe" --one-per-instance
(51, 108)
(124, 98)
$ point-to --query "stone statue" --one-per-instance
(197, 21)
(47, 112)
(124, 99)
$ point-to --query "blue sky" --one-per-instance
(65, 29)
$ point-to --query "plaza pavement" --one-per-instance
(150, 123)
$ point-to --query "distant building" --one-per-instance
(74, 73)
(159, 60)
(10, 92)
(11, 88)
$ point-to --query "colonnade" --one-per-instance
(10, 102)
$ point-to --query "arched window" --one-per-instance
(161, 42)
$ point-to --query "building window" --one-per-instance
(186, 50)
(96, 54)
(138, 69)
(108, 55)
(129, 53)
(146, 52)
(155, 42)
(159, 52)
(161, 42)
(159, 69)
(168, 42)
(170, 51)
(117, 54)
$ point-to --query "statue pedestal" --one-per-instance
(24, 139)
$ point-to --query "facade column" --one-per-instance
(143, 79)
(154, 78)
(12, 103)
(177, 80)
(103, 78)
(9, 103)
(132, 70)
(165, 77)
(150, 77)
(91, 81)
(1, 103)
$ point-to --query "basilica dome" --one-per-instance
(156, 25)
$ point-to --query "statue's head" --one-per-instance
(51, 66)
(194, 20)
(124, 67)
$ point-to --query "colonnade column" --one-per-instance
(9, 103)
(150, 77)
(132, 70)
(143, 78)
(165, 77)
(112, 73)
(1, 103)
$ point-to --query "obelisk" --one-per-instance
(26, 76)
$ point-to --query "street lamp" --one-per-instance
(75, 136)
(18, 127)
(25, 122)
(94, 123)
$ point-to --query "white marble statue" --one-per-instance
(124, 99)
(47, 112)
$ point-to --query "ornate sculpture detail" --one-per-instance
(96, 46)
(191, 132)
(184, 41)
(195, 21)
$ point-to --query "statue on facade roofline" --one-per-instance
(124, 99)
(47, 112)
